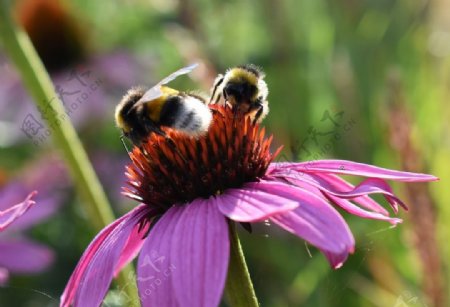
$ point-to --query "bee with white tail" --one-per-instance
(143, 112)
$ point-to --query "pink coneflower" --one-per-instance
(189, 195)
(19, 255)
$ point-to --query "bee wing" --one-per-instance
(179, 72)
(156, 91)
(149, 95)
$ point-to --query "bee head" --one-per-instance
(241, 84)
(124, 108)
(240, 92)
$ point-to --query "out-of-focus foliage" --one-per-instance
(359, 80)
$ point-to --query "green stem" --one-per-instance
(239, 288)
(37, 81)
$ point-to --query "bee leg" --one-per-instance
(258, 106)
(217, 83)
(235, 110)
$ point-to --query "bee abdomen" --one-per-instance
(187, 114)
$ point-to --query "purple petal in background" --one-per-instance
(24, 256)
(10, 215)
(46, 175)
(46, 208)
(200, 250)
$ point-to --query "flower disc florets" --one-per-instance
(177, 168)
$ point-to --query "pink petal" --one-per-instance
(154, 262)
(256, 201)
(316, 182)
(185, 257)
(328, 186)
(369, 186)
(94, 246)
(317, 222)
(355, 210)
(133, 246)
(343, 185)
(373, 186)
(91, 278)
(10, 215)
(200, 252)
(352, 168)
(24, 256)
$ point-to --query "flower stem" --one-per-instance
(36, 79)
(239, 288)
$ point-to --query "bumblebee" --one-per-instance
(143, 112)
(244, 89)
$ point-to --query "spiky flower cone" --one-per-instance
(178, 169)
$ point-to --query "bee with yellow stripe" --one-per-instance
(244, 89)
(143, 112)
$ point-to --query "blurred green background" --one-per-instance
(358, 80)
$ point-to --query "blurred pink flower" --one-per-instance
(9, 215)
(18, 254)
(227, 175)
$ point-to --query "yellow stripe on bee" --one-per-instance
(155, 106)
(243, 74)
(119, 119)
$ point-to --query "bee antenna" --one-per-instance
(122, 138)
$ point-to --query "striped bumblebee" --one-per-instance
(244, 89)
(143, 112)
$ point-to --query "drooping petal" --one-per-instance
(327, 183)
(200, 252)
(91, 278)
(317, 222)
(24, 256)
(329, 186)
(133, 246)
(358, 211)
(373, 186)
(154, 262)
(343, 203)
(342, 185)
(352, 168)
(256, 201)
(185, 257)
(10, 215)
(74, 281)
